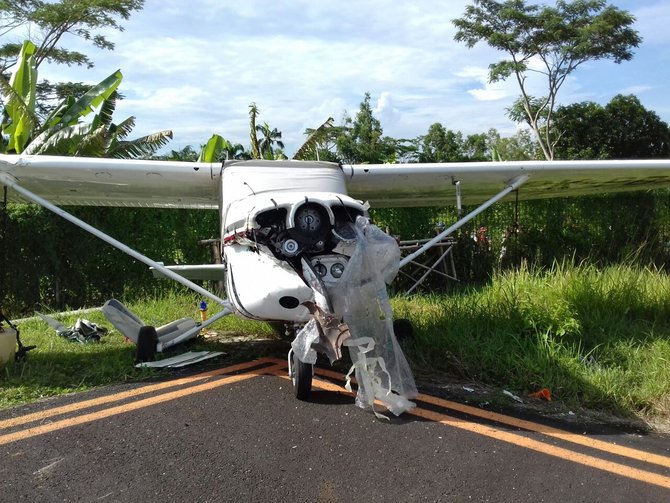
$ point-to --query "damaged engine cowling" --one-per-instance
(271, 242)
(310, 228)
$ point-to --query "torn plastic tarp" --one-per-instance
(302, 344)
(360, 299)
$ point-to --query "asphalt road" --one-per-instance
(242, 436)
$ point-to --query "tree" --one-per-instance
(255, 148)
(635, 132)
(476, 148)
(441, 145)
(623, 129)
(582, 131)
(518, 147)
(48, 23)
(551, 41)
(361, 141)
(269, 138)
(185, 154)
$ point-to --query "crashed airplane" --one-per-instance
(296, 242)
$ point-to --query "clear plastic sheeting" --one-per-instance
(302, 344)
(361, 300)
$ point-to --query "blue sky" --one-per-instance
(195, 66)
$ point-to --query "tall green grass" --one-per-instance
(598, 338)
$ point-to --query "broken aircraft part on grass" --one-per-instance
(182, 360)
(83, 331)
(149, 339)
(285, 223)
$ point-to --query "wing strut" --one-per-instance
(513, 185)
(10, 182)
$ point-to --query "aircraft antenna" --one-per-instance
(252, 190)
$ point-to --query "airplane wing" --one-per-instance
(395, 185)
(168, 184)
(116, 182)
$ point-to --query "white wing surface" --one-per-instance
(119, 182)
(116, 182)
(395, 185)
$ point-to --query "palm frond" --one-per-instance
(139, 148)
(314, 139)
(107, 109)
(64, 140)
(123, 128)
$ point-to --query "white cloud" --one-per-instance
(384, 109)
(196, 66)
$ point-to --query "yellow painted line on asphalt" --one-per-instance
(520, 440)
(584, 440)
(121, 409)
(551, 450)
(77, 406)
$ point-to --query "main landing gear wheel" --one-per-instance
(302, 378)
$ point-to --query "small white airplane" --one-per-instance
(295, 241)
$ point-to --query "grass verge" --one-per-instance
(598, 339)
(59, 366)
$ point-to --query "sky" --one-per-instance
(195, 66)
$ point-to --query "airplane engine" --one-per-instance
(268, 247)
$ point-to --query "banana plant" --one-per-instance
(314, 140)
(19, 120)
(218, 148)
(64, 132)
(98, 138)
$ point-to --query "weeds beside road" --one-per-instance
(598, 339)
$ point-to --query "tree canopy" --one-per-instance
(49, 21)
(552, 41)
(622, 129)
(360, 140)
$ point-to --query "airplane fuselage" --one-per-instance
(274, 215)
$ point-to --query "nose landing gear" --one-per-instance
(301, 374)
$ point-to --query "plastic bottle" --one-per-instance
(203, 314)
(7, 344)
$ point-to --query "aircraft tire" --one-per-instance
(146, 344)
(302, 378)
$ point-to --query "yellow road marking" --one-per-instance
(551, 432)
(521, 441)
(279, 370)
(44, 414)
(551, 450)
(586, 441)
(120, 409)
